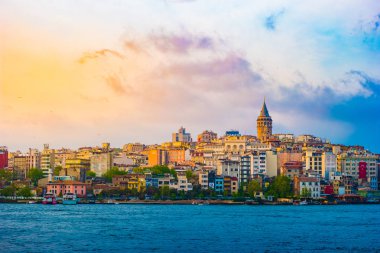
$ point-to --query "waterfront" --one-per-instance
(171, 228)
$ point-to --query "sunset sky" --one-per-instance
(77, 73)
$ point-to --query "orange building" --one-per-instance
(176, 155)
(157, 157)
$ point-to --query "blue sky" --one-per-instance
(138, 70)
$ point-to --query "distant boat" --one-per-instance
(200, 203)
(31, 202)
(299, 203)
(69, 199)
(49, 199)
(112, 201)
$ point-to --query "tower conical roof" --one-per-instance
(264, 111)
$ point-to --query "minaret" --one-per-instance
(264, 124)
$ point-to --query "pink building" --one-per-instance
(63, 187)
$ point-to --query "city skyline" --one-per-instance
(73, 75)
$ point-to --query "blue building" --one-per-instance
(233, 133)
(151, 181)
(219, 184)
(373, 183)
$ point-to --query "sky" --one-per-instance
(78, 72)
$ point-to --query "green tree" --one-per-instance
(162, 169)
(253, 188)
(35, 175)
(189, 175)
(57, 170)
(139, 170)
(165, 191)
(280, 187)
(113, 172)
(182, 194)
(8, 191)
(5, 175)
(24, 192)
(305, 193)
(90, 173)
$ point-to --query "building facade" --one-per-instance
(60, 188)
(181, 136)
(48, 162)
(207, 136)
(307, 187)
(100, 162)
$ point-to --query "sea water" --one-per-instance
(189, 228)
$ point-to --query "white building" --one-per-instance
(34, 158)
(308, 186)
(48, 162)
(258, 162)
(183, 184)
(228, 167)
(313, 161)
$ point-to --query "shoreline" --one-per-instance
(189, 202)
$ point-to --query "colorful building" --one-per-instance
(62, 187)
(359, 166)
(130, 181)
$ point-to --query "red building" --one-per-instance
(329, 189)
(362, 170)
(3, 157)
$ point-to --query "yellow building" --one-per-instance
(84, 153)
(76, 168)
(130, 182)
(133, 148)
(19, 166)
(137, 183)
